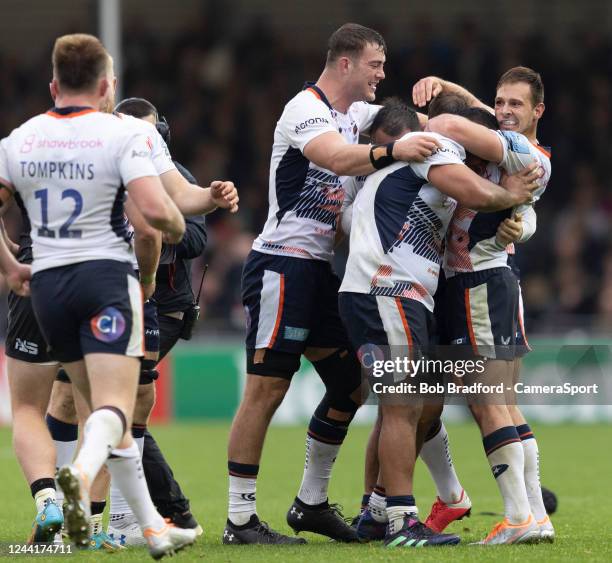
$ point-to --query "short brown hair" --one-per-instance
(447, 102)
(527, 75)
(78, 61)
(395, 118)
(351, 39)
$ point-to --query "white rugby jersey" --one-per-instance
(352, 186)
(70, 166)
(398, 229)
(470, 242)
(160, 156)
(304, 199)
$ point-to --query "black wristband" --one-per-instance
(382, 155)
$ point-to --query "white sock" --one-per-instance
(436, 455)
(64, 455)
(42, 496)
(377, 505)
(138, 436)
(95, 524)
(102, 433)
(320, 458)
(395, 514)
(140, 444)
(118, 503)
(508, 468)
(242, 503)
(126, 471)
(532, 478)
(64, 452)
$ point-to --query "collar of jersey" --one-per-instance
(70, 111)
(317, 92)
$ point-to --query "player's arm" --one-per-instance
(17, 275)
(330, 151)
(475, 192)
(427, 88)
(475, 138)
(12, 246)
(147, 247)
(158, 210)
(194, 200)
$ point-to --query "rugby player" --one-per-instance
(172, 298)
(386, 298)
(372, 520)
(84, 292)
(485, 303)
(290, 291)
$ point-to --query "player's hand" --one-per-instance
(225, 195)
(509, 230)
(18, 279)
(416, 148)
(523, 183)
(426, 89)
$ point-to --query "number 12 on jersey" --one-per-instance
(64, 230)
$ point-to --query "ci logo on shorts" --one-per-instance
(108, 325)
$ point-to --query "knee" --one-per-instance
(264, 392)
(430, 414)
(61, 405)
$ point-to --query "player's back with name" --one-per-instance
(70, 167)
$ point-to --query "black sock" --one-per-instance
(40, 484)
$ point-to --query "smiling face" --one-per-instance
(365, 71)
(515, 110)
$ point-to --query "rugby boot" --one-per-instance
(325, 519)
(505, 533)
(256, 532)
(168, 540)
(547, 532)
(370, 529)
(76, 504)
(414, 533)
(442, 514)
(47, 523)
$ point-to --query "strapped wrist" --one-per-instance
(382, 155)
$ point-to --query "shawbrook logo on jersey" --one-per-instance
(30, 143)
(310, 122)
(108, 325)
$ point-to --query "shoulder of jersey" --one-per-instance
(307, 95)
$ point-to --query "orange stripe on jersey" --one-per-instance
(544, 152)
(279, 313)
(522, 327)
(313, 91)
(468, 316)
(398, 302)
(77, 114)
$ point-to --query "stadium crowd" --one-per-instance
(214, 92)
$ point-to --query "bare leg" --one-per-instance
(30, 386)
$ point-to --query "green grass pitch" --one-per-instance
(575, 462)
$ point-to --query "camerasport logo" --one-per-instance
(108, 325)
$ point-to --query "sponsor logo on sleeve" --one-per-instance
(310, 122)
